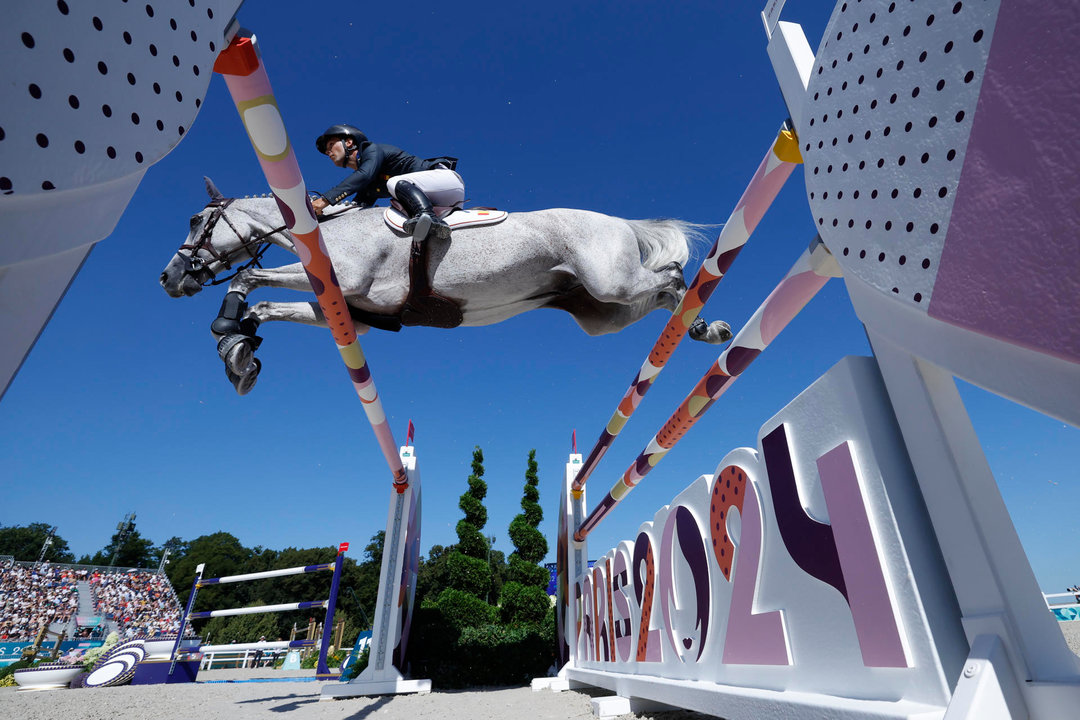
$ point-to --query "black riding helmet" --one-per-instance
(339, 131)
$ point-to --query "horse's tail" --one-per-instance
(666, 241)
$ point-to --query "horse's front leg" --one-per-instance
(234, 306)
(235, 326)
(238, 350)
(305, 313)
(290, 277)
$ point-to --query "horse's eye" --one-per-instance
(195, 220)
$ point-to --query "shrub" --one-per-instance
(486, 654)
(92, 655)
(502, 655)
(10, 669)
(460, 609)
(527, 573)
(468, 574)
(523, 603)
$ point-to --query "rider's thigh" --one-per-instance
(442, 186)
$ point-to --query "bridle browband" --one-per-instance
(254, 246)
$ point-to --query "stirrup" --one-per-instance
(426, 225)
(418, 226)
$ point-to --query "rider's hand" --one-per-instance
(319, 204)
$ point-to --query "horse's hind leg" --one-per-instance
(714, 333)
(596, 317)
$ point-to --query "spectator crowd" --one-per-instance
(140, 603)
(33, 597)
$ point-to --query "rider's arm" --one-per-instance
(368, 164)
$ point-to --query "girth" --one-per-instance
(422, 307)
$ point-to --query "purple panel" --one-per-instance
(811, 544)
(868, 596)
(1010, 267)
(686, 636)
(752, 639)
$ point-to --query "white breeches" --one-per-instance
(444, 187)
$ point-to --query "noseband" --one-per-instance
(253, 246)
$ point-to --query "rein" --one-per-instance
(254, 246)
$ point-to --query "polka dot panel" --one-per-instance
(889, 111)
(99, 91)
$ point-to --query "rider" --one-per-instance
(387, 171)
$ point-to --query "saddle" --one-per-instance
(423, 306)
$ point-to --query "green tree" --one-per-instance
(468, 574)
(524, 596)
(433, 576)
(24, 543)
(130, 548)
(470, 540)
(222, 554)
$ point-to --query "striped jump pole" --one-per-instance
(241, 66)
(773, 171)
(283, 607)
(806, 277)
(276, 645)
(283, 572)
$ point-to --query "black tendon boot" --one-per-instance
(421, 214)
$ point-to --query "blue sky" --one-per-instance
(632, 109)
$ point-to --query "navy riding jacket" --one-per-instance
(375, 164)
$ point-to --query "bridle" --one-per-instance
(254, 246)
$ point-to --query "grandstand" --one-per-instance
(84, 601)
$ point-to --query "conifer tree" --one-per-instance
(464, 602)
(524, 596)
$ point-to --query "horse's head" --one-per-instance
(221, 236)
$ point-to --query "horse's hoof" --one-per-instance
(244, 383)
(721, 331)
(715, 333)
(238, 352)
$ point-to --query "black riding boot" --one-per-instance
(418, 206)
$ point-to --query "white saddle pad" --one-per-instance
(456, 219)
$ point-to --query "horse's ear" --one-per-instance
(211, 189)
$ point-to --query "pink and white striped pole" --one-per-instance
(806, 277)
(774, 170)
(241, 66)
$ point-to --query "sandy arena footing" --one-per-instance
(224, 694)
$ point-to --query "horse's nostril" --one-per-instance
(162, 279)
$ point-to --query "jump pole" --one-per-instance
(772, 172)
(249, 85)
(807, 276)
(330, 604)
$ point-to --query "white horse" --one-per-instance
(605, 271)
